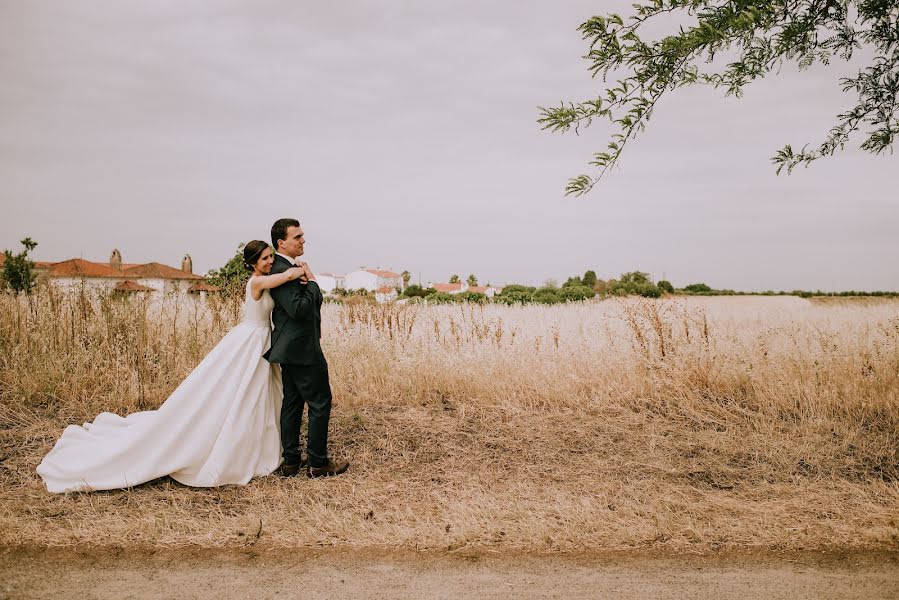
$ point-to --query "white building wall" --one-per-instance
(394, 282)
(90, 284)
(167, 286)
(361, 279)
(161, 287)
(327, 283)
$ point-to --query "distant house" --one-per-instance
(372, 279)
(163, 277)
(153, 278)
(77, 272)
(450, 288)
(487, 290)
(328, 282)
(386, 294)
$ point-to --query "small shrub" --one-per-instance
(18, 270)
(576, 293)
(440, 298)
(474, 297)
(547, 295)
(416, 291)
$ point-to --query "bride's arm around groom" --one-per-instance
(300, 300)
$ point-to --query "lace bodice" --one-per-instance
(258, 312)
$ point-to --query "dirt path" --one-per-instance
(202, 574)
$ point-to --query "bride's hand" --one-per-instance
(295, 273)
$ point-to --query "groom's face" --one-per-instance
(292, 244)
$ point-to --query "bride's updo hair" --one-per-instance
(251, 253)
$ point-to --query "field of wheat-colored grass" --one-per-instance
(693, 423)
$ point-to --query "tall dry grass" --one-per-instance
(697, 423)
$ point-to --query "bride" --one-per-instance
(220, 426)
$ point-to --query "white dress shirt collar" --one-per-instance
(290, 260)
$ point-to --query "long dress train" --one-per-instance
(220, 426)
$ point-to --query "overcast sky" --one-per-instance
(404, 135)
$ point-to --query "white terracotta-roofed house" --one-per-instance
(162, 277)
(386, 294)
(450, 288)
(372, 279)
(487, 290)
(153, 278)
(77, 273)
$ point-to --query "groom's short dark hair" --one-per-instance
(279, 230)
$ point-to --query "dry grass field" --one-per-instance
(698, 423)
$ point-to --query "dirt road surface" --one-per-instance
(216, 574)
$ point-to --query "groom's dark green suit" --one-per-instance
(296, 346)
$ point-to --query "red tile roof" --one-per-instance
(385, 289)
(78, 267)
(481, 289)
(385, 274)
(447, 287)
(155, 270)
(203, 287)
(132, 286)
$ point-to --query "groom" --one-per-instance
(296, 347)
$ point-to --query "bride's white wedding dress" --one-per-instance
(220, 426)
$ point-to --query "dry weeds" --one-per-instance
(690, 424)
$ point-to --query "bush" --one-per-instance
(416, 291)
(513, 288)
(576, 293)
(513, 297)
(547, 295)
(233, 275)
(603, 287)
(697, 287)
(514, 294)
(440, 298)
(346, 293)
(635, 277)
(18, 270)
(474, 297)
(665, 286)
(648, 290)
(630, 287)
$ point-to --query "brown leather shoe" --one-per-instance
(286, 470)
(332, 469)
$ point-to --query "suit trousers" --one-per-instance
(309, 385)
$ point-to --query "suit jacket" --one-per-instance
(296, 339)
